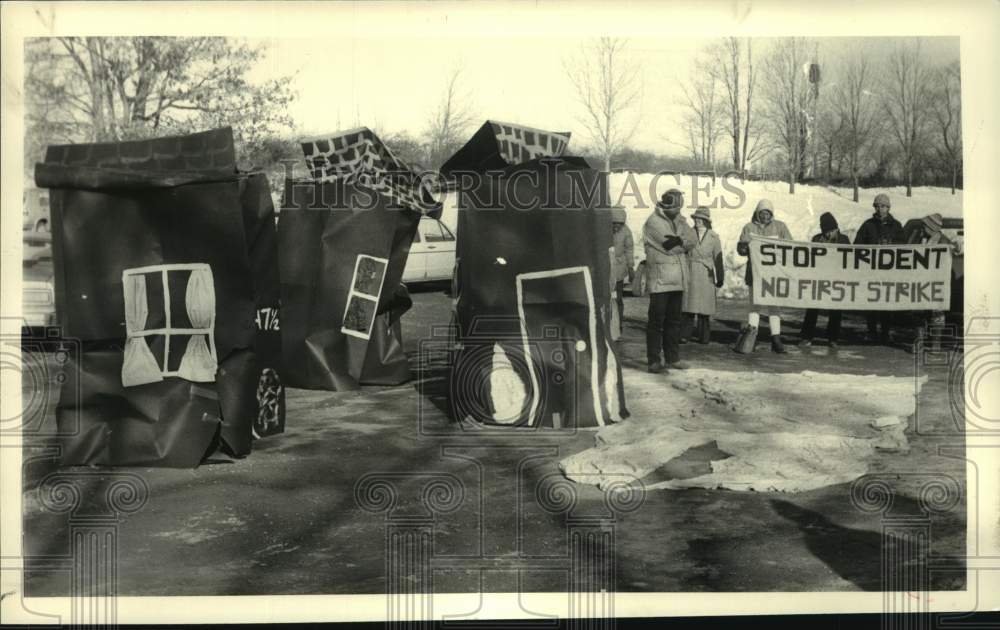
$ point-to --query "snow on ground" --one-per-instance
(637, 193)
(765, 424)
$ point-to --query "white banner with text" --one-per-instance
(850, 277)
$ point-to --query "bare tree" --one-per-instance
(859, 110)
(119, 87)
(908, 104)
(608, 86)
(115, 88)
(788, 98)
(703, 118)
(732, 64)
(447, 126)
(948, 119)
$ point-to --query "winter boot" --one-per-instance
(687, 328)
(704, 329)
(747, 340)
(777, 345)
(934, 341)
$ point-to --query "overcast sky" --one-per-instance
(393, 84)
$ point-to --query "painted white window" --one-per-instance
(362, 299)
(195, 342)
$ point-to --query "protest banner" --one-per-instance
(850, 277)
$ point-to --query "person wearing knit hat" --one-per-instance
(762, 223)
(880, 229)
(667, 238)
(707, 274)
(933, 322)
(829, 233)
(933, 223)
(828, 224)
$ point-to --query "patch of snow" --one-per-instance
(768, 424)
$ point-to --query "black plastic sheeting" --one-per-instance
(319, 250)
(533, 285)
(344, 237)
(179, 200)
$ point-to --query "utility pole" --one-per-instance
(814, 78)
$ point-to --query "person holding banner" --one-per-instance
(829, 233)
(934, 321)
(707, 274)
(667, 238)
(762, 223)
(880, 229)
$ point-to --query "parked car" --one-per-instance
(36, 210)
(432, 254)
(38, 304)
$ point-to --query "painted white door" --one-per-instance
(537, 315)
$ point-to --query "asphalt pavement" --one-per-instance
(321, 508)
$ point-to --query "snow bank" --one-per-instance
(637, 193)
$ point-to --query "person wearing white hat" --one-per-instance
(762, 223)
(707, 275)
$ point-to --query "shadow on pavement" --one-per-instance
(857, 555)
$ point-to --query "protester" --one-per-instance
(829, 232)
(707, 274)
(933, 322)
(881, 229)
(622, 268)
(667, 238)
(762, 223)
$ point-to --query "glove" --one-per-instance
(631, 275)
(671, 242)
(743, 249)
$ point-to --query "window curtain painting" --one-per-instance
(168, 372)
(139, 366)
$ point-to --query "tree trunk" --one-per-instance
(856, 193)
(954, 179)
(909, 181)
(791, 180)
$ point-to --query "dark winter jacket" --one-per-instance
(874, 231)
(841, 239)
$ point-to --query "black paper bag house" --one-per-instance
(533, 284)
(344, 236)
(163, 257)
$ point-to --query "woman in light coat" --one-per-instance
(707, 274)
